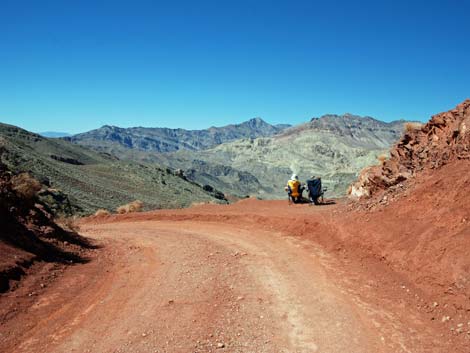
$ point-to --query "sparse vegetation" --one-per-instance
(134, 206)
(382, 158)
(211, 202)
(413, 126)
(25, 186)
(102, 213)
(68, 223)
(98, 181)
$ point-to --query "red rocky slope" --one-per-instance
(443, 140)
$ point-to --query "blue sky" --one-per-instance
(74, 66)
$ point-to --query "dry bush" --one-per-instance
(68, 223)
(134, 206)
(202, 203)
(102, 212)
(196, 204)
(410, 127)
(25, 185)
(122, 209)
(382, 158)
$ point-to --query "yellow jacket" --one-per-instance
(294, 187)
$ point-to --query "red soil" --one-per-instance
(396, 273)
(390, 274)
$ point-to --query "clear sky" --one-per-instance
(76, 65)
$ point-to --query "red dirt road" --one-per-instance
(222, 279)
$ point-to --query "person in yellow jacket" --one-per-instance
(294, 189)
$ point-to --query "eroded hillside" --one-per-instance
(89, 180)
(415, 212)
(333, 147)
(28, 233)
(443, 140)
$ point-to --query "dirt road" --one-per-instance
(193, 285)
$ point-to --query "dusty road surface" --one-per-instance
(199, 282)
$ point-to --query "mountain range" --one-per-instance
(165, 168)
(256, 158)
(334, 147)
(114, 139)
(79, 180)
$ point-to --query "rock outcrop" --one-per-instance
(445, 138)
(28, 232)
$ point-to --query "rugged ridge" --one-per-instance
(88, 180)
(365, 131)
(445, 138)
(115, 139)
(335, 147)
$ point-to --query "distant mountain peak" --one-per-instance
(257, 119)
(256, 122)
(336, 118)
(348, 124)
(110, 127)
(169, 140)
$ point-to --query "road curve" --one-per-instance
(162, 286)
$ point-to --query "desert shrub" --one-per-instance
(101, 213)
(25, 186)
(68, 223)
(202, 203)
(197, 203)
(410, 127)
(134, 206)
(122, 209)
(382, 158)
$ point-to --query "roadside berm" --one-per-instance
(419, 199)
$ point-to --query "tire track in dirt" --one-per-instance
(202, 287)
